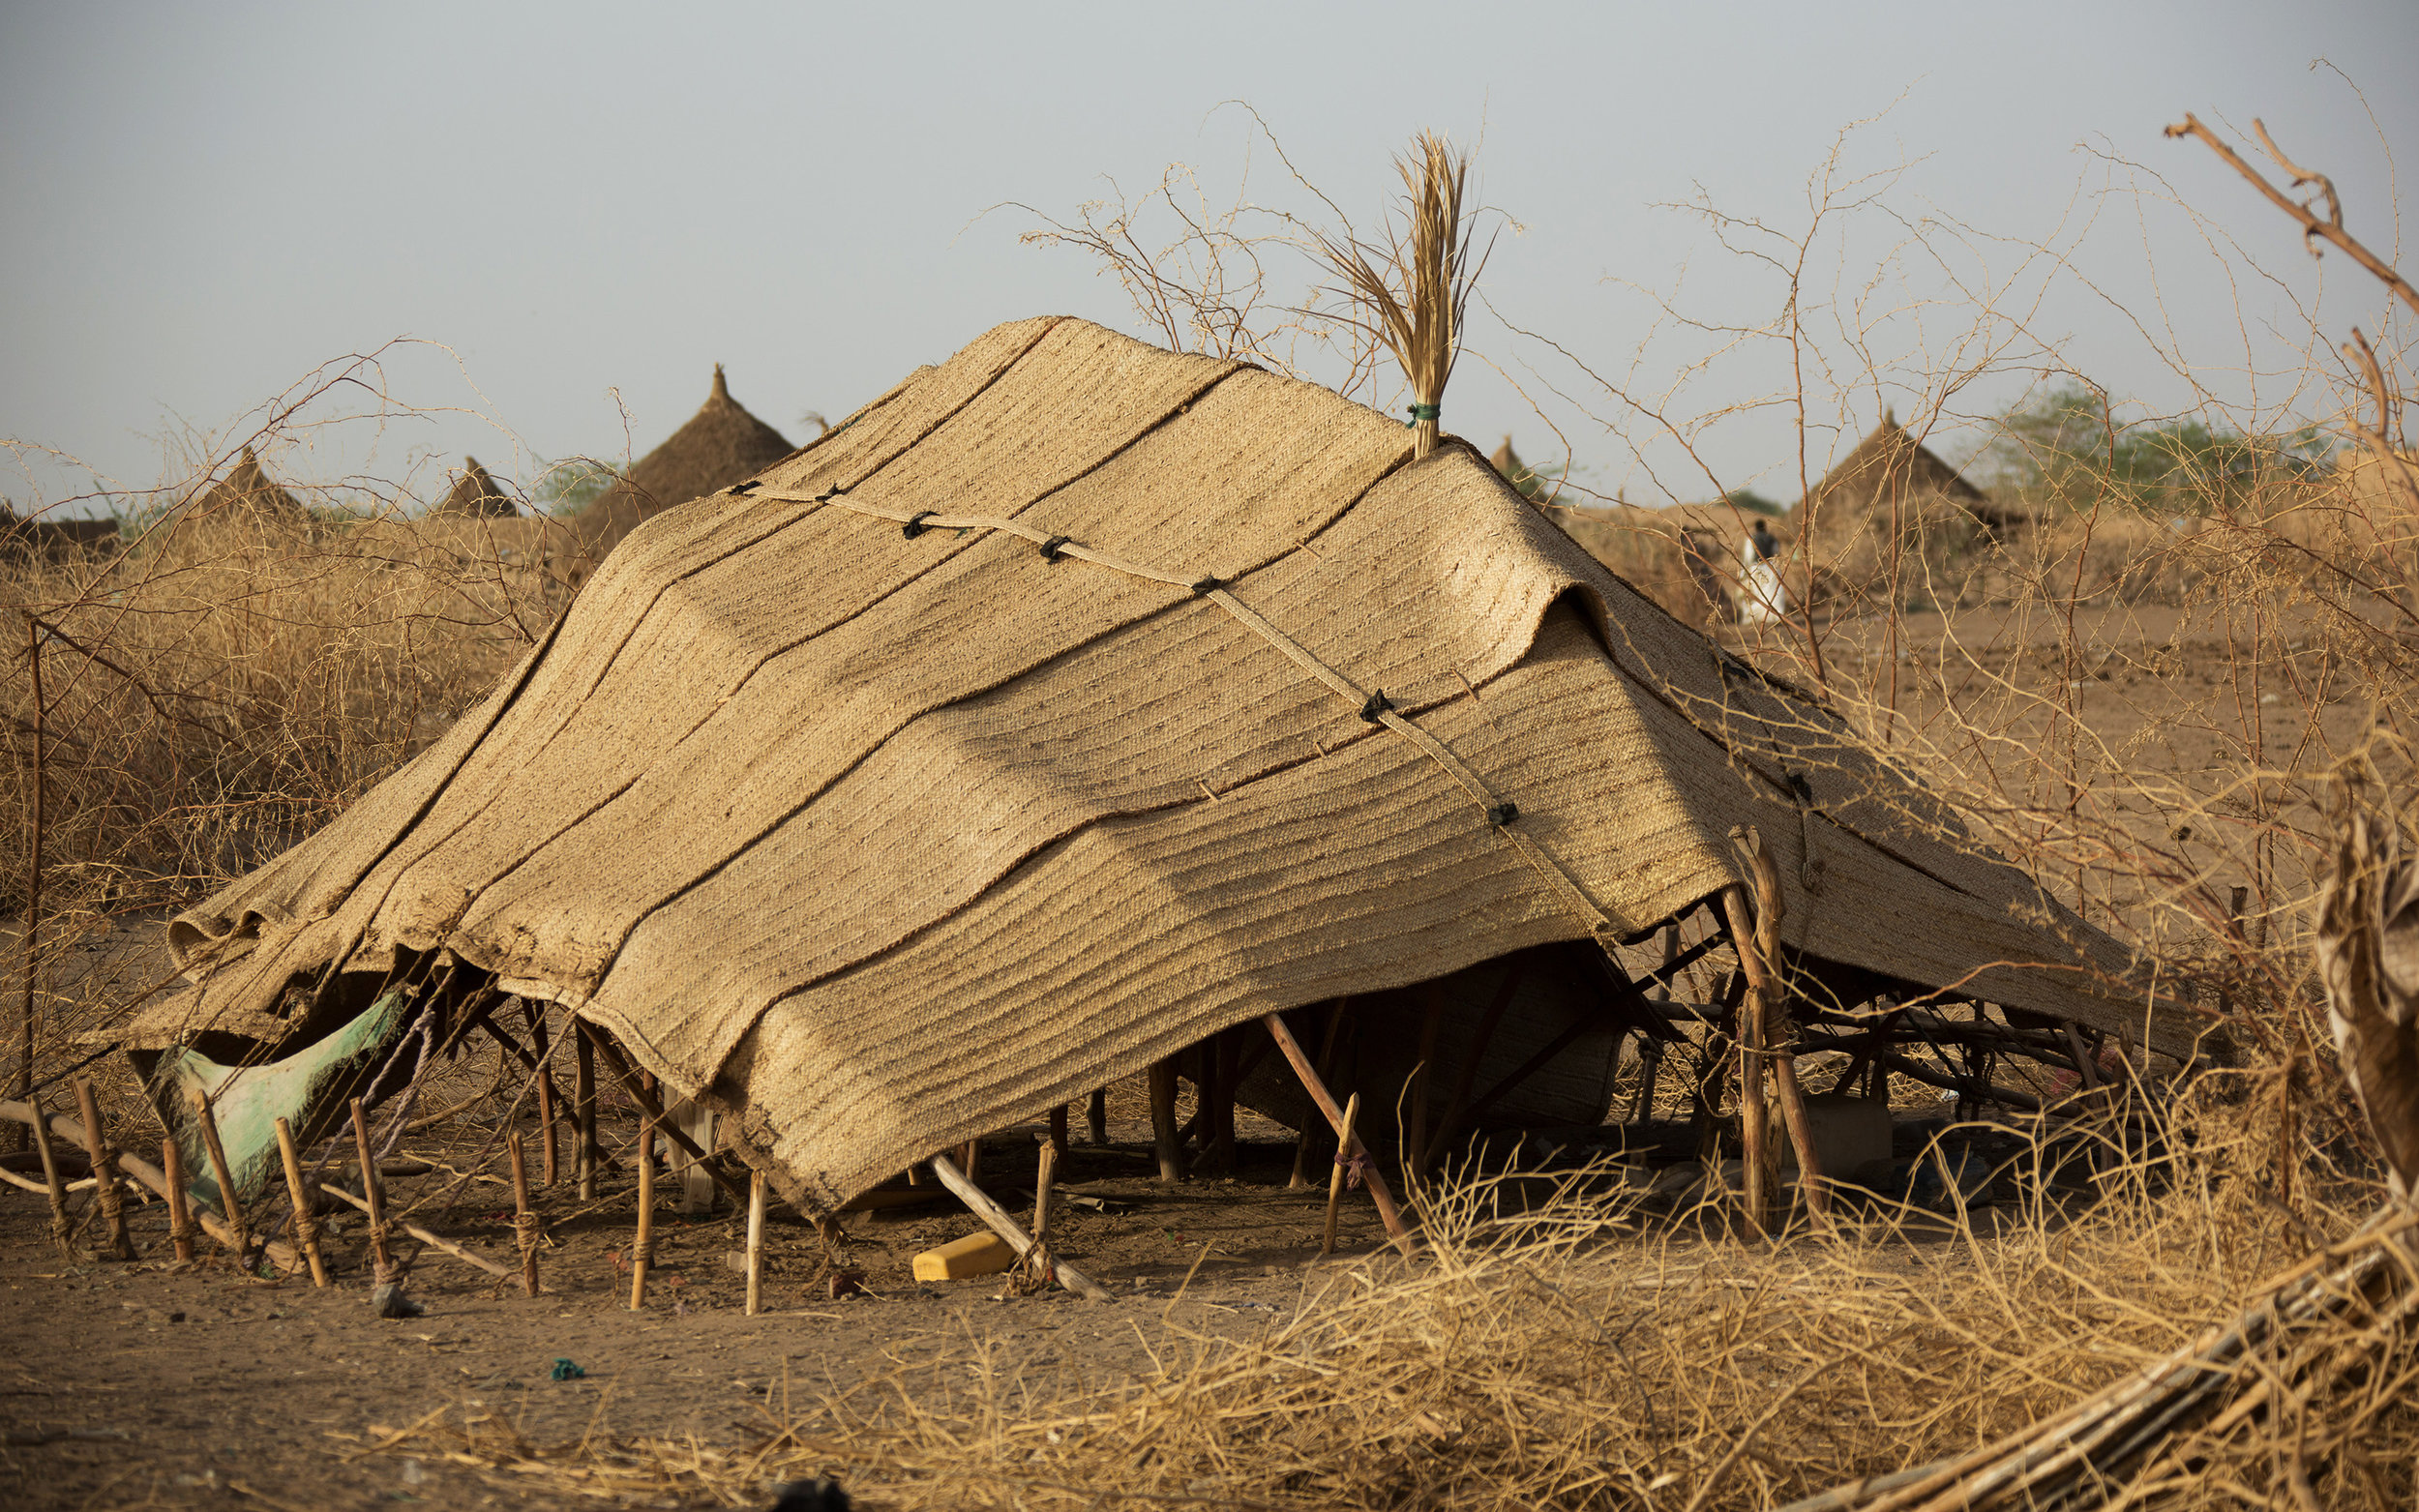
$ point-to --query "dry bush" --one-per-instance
(220, 685)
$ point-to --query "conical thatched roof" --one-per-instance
(1890, 465)
(887, 817)
(474, 493)
(246, 492)
(717, 446)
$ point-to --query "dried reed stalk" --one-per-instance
(1409, 295)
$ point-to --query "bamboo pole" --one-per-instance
(642, 1247)
(755, 1243)
(524, 1219)
(1005, 1226)
(1318, 1090)
(1163, 1135)
(104, 1171)
(229, 1203)
(1043, 1178)
(306, 1210)
(1335, 1177)
(372, 1199)
(60, 1232)
(586, 1159)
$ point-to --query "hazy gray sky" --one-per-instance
(205, 202)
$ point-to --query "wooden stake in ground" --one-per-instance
(229, 1205)
(1058, 1128)
(60, 1232)
(305, 1211)
(1005, 1226)
(1096, 1116)
(1163, 1133)
(755, 1243)
(524, 1218)
(105, 1169)
(642, 1247)
(1042, 1178)
(372, 1199)
(1343, 1167)
(146, 1174)
(1313, 1083)
(181, 1229)
(584, 1109)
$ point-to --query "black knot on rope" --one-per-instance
(1050, 548)
(1203, 588)
(1379, 704)
(830, 493)
(915, 525)
(749, 487)
(1501, 813)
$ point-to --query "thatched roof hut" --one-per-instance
(1892, 509)
(475, 494)
(1073, 703)
(246, 492)
(717, 446)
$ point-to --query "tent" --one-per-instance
(246, 493)
(717, 446)
(1075, 701)
(474, 493)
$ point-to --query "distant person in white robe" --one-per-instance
(1762, 601)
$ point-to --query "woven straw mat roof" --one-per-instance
(474, 493)
(882, 830)
(717, 446)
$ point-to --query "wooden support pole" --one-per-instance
(231, 1206)
(1342, 1168)
(755, 1242)
(105, 1169)
(586, 1157)
(60, 1230)
(1756, 938)
(1096, 1116)
(642, 1247)
(1005, 1226)
(642, 1093)
(545, 1124)
(1043, 1176)
(1059, 1128)
(971, 1158)
(372, 1198)
(1219, 1063)
(1300, 1176)
(1423, 1077)
(305, 1211)
(181, 1229)
(1347, 1148)
(524, 1217)
(1164, 1139)
(32, 942)
(1467, 1075)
